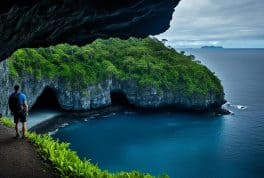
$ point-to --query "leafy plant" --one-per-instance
(66, 162)
(7, 122)
(148, 61)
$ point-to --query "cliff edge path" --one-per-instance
(18, 157)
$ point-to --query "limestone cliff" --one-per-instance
(96, 96)
(4, 87)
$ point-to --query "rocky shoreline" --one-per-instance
(56, 122)
(68, 117)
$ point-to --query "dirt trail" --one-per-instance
(18, 157)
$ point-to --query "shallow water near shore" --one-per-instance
(181, 144)
(37, 117)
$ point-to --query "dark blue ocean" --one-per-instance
(186, 145)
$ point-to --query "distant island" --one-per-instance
(212, 47)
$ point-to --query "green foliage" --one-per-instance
(148, 61)
(68, 164)
(7, 122)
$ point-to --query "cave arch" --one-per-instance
(119, 98)
(47, 101)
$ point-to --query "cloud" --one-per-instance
(214, 21)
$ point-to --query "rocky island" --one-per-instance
(146, 72)
(212, 47)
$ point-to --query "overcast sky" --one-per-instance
(228, 23)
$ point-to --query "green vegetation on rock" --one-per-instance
(148, 61)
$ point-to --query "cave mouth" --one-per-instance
(47, 101)
(119, 98)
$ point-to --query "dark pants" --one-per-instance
(20, 116)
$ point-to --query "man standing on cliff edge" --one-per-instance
(19, 109)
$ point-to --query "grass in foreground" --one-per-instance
(66, 162)
(7, 122)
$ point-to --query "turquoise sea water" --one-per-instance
(186, 145)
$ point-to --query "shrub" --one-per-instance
(148, 61)
(7, 122)
(67, 163)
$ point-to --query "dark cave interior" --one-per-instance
(47, 101)
(119, 98)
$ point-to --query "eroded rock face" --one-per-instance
(99, 95)
(40, 23)
(4, 84)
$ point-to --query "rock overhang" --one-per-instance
(41, 23)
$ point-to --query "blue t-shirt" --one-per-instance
(21, 97)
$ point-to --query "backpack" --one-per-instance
(14, 102)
